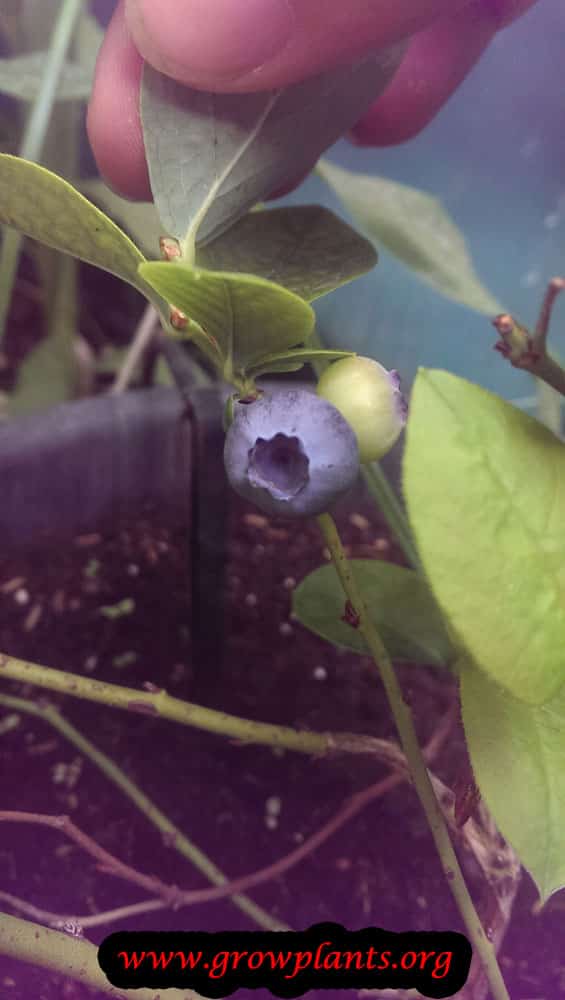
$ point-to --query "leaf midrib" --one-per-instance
(190, 238)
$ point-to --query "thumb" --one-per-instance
(247, 45)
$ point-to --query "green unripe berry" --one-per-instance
(369, 398)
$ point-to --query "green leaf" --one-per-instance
(292, 361)
(400, 604)
(243, 315)
(22, 77)
(138, 218)
(414, 227)
(518, 754)
(48, 208)
(485, 489)
(212, 156)
(305, 248)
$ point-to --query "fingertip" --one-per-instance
(209, 44)
(507, 11)
(436, 62)
(290, 185)
(113, 120)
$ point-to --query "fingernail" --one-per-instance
(213, 39)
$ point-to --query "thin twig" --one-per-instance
(34, 137)
(106, 862)
(390, 507)
(67, 955)
(172, 895)
(172, 836)
(357, 615)
(60, 921)
(142, 338)
(528, 351)
(158, 704)
(501, 868)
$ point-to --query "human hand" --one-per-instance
(237, 46)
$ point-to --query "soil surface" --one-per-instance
(246, 806)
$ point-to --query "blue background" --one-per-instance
(495, 156)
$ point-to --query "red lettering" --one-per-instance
(188, 959)
(238, 956)
(408, 955)
(350, 956)
(332, 960)
(384, 962)
(280, 960)
(298, 967)
(317, 960)
(134, 958)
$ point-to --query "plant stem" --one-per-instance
(38, 121)
(171, 833)
(528, 351)
(146, 330)
(159, 704)
(34, 137)
(67, 955)
(416, 763)
(548, 406)
(389, 505)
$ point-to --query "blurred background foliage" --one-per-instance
(56, 340)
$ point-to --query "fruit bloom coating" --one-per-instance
(369, 398)
(291, 453)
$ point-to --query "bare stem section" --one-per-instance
(155, 701)
(68, 956)
(528, 351)
(357, 615)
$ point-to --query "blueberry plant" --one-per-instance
(483, 595)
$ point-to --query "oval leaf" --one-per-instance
(305, 248)
(49, 209)
(22, 77)
(485, 489)
(518, 753)
(138, 218)
(243, 315)
(212, 156)
(415, 228)
(400, 603)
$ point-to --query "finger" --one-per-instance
(506, 11)
(247, 45)
(114, 126)
(436, 62)
(291, 184)
(113, 122)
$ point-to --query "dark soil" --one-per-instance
(379, 869)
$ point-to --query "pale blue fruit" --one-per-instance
(291, 453)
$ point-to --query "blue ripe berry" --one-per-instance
(291, 453)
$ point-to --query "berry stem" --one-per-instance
(387, 502)
(416, 763)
